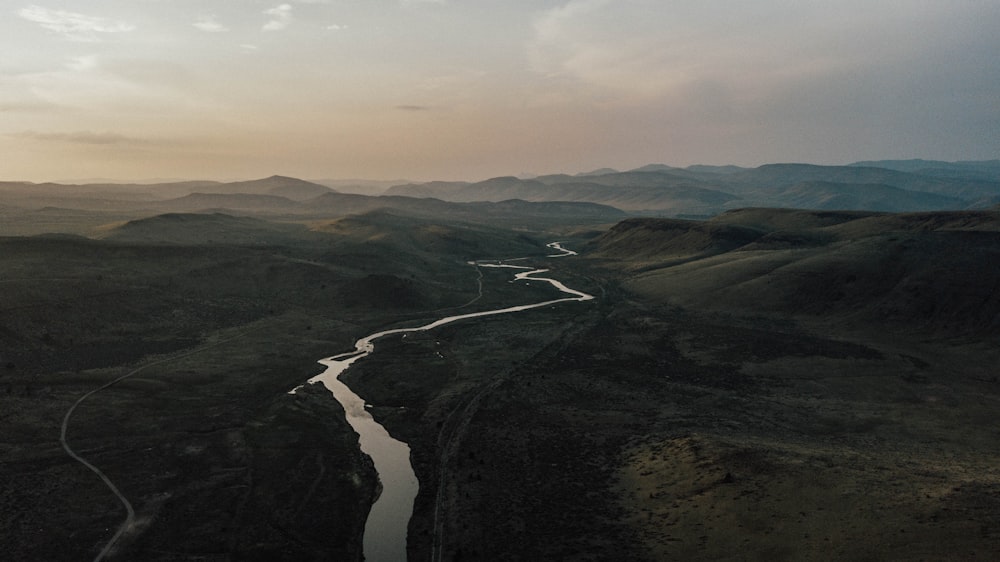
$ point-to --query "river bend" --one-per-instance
(385, 528)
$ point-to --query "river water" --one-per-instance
(385, 529)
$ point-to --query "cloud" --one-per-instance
(336, 27)
(74, 26)
(413, 108)
(814, 78)
(655, 46)
(642, 50)
(83, 137)
(281, 17)
(82, 63)
(611, 46)
(208, 24)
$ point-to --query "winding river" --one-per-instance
(385, 529)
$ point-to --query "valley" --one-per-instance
(761, 383)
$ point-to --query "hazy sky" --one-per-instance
(468, 89)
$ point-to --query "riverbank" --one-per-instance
(218, 460)
(386, 527)
(236, 466)
(648, 432)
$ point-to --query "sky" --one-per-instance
(471, 89)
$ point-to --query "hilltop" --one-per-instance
(932, 271)
(29, 209)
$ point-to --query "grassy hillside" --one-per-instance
(204, 229)
(778, 384)
(919, 270)
(225, 315)
(796, 385)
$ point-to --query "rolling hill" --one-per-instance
(602, 195)
(509, 211)
(205, 229)
(245, 202)
(629, 191)
(872, 197)
(988, 170)
(281, 186)
(932, 271)
(663, 190)
(772, 176)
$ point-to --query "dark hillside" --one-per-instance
(788, 219)
(438, 189)
(706, 190)
(703, 169)
(988, 170)
(291, 188)
(773, 176)
(505, 212)
(225, 315)
(205, 229)
(918, 222)
(646, 240)
(243, 202)
(30, 222)
(635, 178)
(656, 168)
(630, 191)
(184, 438)
(502, 188)
(826, 391)
(870, 197)
(383, 234)
(929, 271)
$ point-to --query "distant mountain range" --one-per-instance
(658, 189)
(27, 208)
(630, 191)
(986, 169)
(601, 195)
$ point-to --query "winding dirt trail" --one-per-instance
(363, 347)
(129, 522)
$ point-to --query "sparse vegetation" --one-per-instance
(765, 384)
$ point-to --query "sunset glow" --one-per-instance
(449, 89)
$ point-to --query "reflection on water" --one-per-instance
(385, 529)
